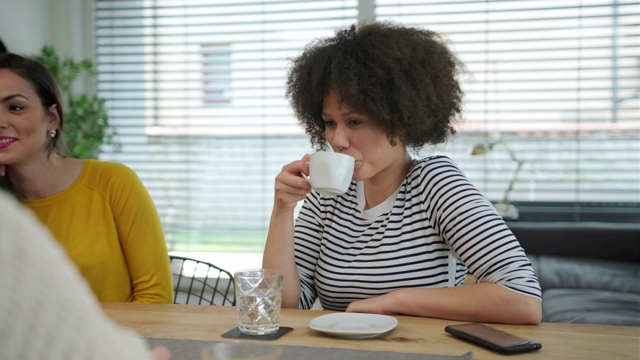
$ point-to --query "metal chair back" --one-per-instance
(200, 282)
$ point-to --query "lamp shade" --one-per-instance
(480, 149)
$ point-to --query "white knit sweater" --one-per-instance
(46, 309)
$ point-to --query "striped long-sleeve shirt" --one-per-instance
(428, 234)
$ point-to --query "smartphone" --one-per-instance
(491, 338)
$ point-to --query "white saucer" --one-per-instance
(354, 325)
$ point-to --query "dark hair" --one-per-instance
(405, 79)
(42, 82)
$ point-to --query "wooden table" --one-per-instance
(413, 334)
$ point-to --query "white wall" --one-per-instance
(24, 25)
(27, 25)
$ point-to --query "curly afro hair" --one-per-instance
(404, 79)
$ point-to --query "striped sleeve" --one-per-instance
(478, 235)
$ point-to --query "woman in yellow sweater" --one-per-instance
(100, 212)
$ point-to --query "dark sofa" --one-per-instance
(589, 271)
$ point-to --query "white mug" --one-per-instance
(330, 173)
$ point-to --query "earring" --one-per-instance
(52, 133)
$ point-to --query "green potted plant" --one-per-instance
(86, 122)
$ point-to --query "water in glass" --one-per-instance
(259, 300)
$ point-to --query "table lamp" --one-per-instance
(504, 207)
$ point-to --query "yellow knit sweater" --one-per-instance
(109, 226)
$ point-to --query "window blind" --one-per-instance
(558, 81)
(195, 91)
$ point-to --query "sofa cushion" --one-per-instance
(591, 307)
(573, 273)
(591, 240)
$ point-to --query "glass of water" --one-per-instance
(259, 298)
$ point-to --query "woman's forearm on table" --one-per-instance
(279, 254)
(478, 302)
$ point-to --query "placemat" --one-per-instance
(237, 334)
(190, 350)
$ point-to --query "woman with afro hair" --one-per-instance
(407, 231)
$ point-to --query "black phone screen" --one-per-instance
(492, 338)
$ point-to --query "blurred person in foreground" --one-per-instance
(99, 211)
(408, 230)
(47, 311)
